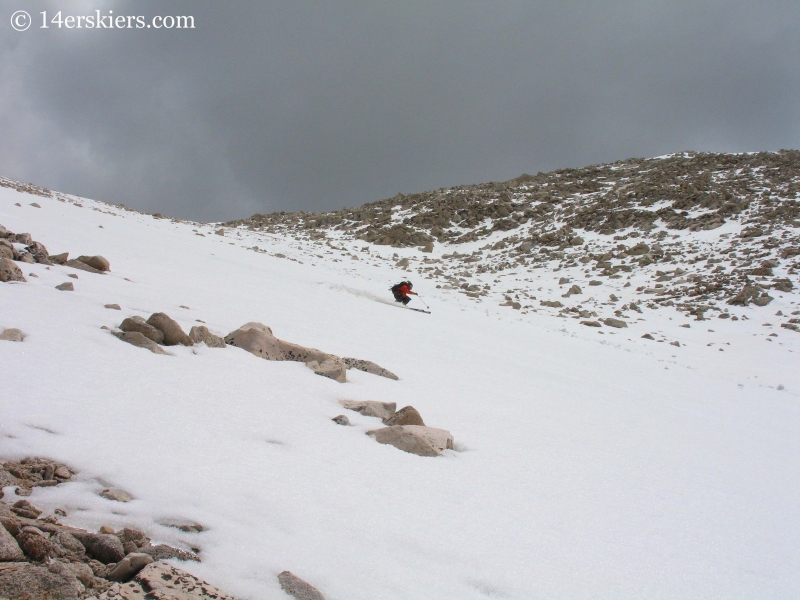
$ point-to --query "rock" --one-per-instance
(331, 368)
(161, 581)
(12, 335)
(139, 340)
(9, 549)
(164, 552)
(591, 323)
(763, 299)
(415, 439)
(10, 524)
(405, 416)
(368, 367)
(747, 294)
(258, 339)
(24, 257)
(25, 581)
(341, 420)
(639, 249)
(402, 263)
(66, 287)
(297, 588)
(26, 510)
(647, 336)
(576, 241)
(595, 282)
(575, 289)
(116, 496)
(73, 275)
(76, 264)
(96, 262)
(618, 323)
(675, 343)
(129, 566)
(35, 544)
(9, 271)
(113, 306)
(68, 543)
(551, 303)
(59, 259)
(371, 408)
(137, 323)
(563, 280)
(173, 334)
(39, 253)
(23, 238)
(202, 334)
(106, 548)
(6, 251)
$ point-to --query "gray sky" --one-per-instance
(272, 105)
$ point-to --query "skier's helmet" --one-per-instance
(409, 284)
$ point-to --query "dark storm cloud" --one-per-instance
(307, 106)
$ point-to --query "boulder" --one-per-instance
(35, 544)
(9, 548)
(332, 368)
(12, 335)
(639, 249)
(137, 323)
(59, 259)
(368, 367)
(96, 262)
(618, 323)
(405, 416)
(575, 289)
(173, 334)
(371, 408)
(26, 581)
(161, 581)
(341, 420)
(24, 257)
(140, 341)
(9, 271)
(258, 339)
(591, 323)
(66, 287)
(23, 238)
(297, 588)
(6, 250)
(116, 495)
(104, 547)
(129, 566)
(414, 439)
(39, 253)
(200, 333)
(164, 552)
(76, 264)
(113, 306)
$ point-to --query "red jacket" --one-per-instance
(404, 291)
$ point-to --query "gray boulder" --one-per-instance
(113, 306)
(39, 253)
(9, 549)
(618, 323)
(405, 416)
(200, 333)
(371, 408)
(66, 287)
(24, 257)
(26, 581)
(297, 588)
(341, 420)
(415, 439)
(137, 323)
(368, 367)
(23, 238)
(161, 581)
(140, 341)
(76, 264)
(173, 334)
(12, 335)
(59, 259)
(6, 250)
(331, 368)
(129, 566)
(96, 262)
(258, 339)
(10, 271)
(104, 547)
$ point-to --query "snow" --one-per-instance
(586, 465)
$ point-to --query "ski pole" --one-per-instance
(423, 302)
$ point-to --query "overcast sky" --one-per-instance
(274, 105)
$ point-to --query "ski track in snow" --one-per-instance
(586, 467)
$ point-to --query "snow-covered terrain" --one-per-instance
(589, 462)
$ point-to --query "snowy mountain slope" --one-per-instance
(589, 462)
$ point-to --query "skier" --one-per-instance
(401, 292)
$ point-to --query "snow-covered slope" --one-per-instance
(589, 462)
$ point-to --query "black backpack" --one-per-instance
(395, 289)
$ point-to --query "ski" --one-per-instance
(427, 312)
